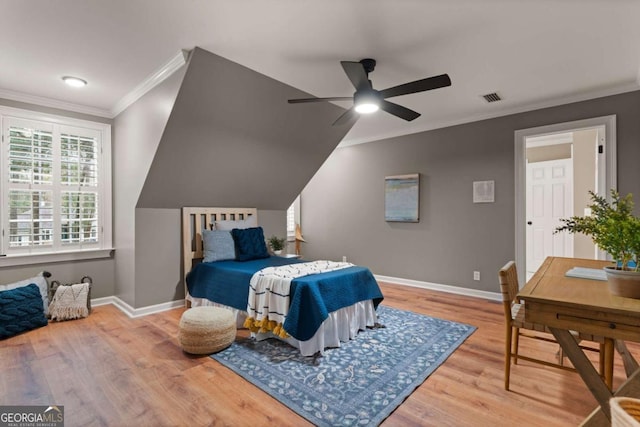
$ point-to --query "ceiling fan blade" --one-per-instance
(399, 110)
(356, 73)
(348, 116)
(429, 83)
(335, 98)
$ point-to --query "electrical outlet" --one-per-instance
(476, 275)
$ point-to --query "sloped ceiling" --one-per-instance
(233, 140)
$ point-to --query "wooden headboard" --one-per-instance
(194, 220)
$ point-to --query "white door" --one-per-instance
(605, 173)
(549, 197)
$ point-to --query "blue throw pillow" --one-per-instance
(249, 243)
(21, 309)
(218, 245)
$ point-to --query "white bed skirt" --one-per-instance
(341, 325)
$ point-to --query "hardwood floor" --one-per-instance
(110, 370)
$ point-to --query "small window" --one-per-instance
(293, 218)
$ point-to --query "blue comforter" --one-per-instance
(312, 297)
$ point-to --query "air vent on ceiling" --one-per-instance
(492, 97)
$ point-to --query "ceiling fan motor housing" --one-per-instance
(370, 96)
(368, 64)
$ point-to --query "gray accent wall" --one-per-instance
(138, 131)
(343, 205)
(233, 140)
(214, 134)
(102, 271)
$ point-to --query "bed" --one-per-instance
(322, 310)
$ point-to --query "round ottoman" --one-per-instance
(206, 330)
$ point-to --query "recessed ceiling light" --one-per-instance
(74, 81)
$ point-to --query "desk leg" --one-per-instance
(630, 388)
(630, 364)
(608, 362)
(583, 365)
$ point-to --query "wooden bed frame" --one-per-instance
(194, 220)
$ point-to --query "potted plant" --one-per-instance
(616, 230)
(277, 244)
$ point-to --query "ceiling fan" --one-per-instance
(368, 100)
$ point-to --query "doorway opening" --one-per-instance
(555, 167)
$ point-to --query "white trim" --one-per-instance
(26, 114)
(520, 136)
(493, 296)
(431, 125)
(54, 103)
(48, 258)
(551, 139)
(136, 312)
(160, 75)
(158, 308)
(145, 86)
(96, 302)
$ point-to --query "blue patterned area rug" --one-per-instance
(360, 383)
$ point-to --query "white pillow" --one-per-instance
(250, 222)
(38, 280)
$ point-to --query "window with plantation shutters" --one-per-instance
(53, 189)
(79, 180)
(293, 218)
(30, 179)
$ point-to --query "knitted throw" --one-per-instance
(70, 302)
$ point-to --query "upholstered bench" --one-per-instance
(206, 330)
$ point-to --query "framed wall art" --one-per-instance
(483, 191)
(402, 198)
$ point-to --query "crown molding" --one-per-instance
(151, 81)
(629, 87)
(53, 103)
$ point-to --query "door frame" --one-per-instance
(606, 181)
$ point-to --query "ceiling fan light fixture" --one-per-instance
(367, 103)
(367, 100)
(74, 81)
(367, 108)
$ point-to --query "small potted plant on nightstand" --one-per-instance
(277, 244)
(613, 227)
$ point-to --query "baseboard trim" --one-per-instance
(136, 312)
(158, 308)
(493, 296)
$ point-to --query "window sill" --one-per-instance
(49, 258)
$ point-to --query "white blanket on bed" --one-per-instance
(268, 302)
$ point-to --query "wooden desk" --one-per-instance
(565, 303)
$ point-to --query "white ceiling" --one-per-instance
(534, 53)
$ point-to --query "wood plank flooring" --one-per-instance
(110, 370)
